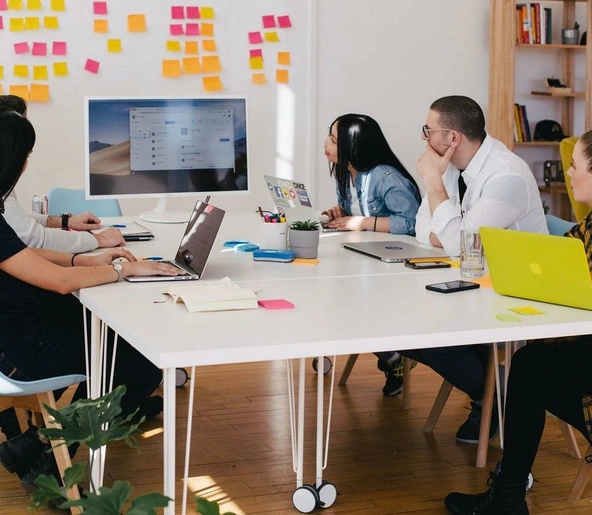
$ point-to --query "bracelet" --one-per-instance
(375, 220)
(73, 256)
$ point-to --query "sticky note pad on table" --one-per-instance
(275, 304)
(302, 261)
(246, 247)
(526, 310)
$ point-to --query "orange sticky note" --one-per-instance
(1, 89)
(283, 58)
(19, 91)
(136, 23)
(39, 93)
(173, 45)
(207, 13)
(101, 26)
(256, 63)
(40, 72)
(259, 78)
(211, 64)
(51, 22)
(15, 5)
(32, 23)
(21, 70)
(34, 5)
(191, 47)
(209, 45)
(114, 45)
(171, 68)
(58, 5)
(282, 76)
(272, 37)
(17, 24)
(60, 69)
(207, 29)
(212, 83)
(191, 65)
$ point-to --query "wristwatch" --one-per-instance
(65, 217)
(119, 269)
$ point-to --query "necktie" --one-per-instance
(462, 187)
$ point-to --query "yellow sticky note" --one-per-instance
(171, 68)
(271, 37)
(51, 22)
(60, 69)
(136, 23)
(21, 70)
(58, 5)
(173, 45)
(211, 64)
(206, 13)
(259, 78)
(302, 261)
(34, 5)
(282, 76)
(114, 45)
(191, 65)
(101, 26)
(212, 83)
(39, 93)
(207, 29)
(526, 310)
(256, 63)
(15, 5)
(32, 23)
(191, 47)
(1, 72)
(17, 24)
(40, 72)
(283, 58)
(19, 91)
(209, 45)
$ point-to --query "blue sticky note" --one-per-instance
(234, 243)
(246, 247)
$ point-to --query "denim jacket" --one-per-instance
(383, 191)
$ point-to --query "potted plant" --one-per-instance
(304, 238)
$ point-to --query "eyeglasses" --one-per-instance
(426, 131)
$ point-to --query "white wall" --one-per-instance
(386, 58)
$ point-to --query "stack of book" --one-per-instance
(533, 24)
(521, 126)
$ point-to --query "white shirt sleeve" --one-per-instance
(423, 222)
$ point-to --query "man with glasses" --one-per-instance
(472, 180)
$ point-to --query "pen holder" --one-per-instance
(274, 236)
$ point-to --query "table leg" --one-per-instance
(169, 438)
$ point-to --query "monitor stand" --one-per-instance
(161, 215)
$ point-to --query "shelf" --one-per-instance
(573, 94)
(552, 45)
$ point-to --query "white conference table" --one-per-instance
(347, 304)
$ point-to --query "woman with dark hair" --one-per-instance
(535, 388)
(34, 345)
(374, 190)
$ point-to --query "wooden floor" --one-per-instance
(380, 460)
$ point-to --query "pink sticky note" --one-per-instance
(256, 52)
(176, 29)
(177, 12)
(39, 49)
(59, 48)
(192, 13)
(21, 48)
(100, 7)
(275, 304)
(3, 5)
(255, 38)
(192, 29)
(1, 23)
(268, 21)
(91, 66)
(284, 22)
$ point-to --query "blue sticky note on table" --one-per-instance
(234, 243)
(246, 247)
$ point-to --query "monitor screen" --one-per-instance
(165, 146)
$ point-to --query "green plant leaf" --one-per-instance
(305, 225)
(205, 507)
(109, 501)
(48, 489)
(146, 504)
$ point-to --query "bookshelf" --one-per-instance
(509, 76)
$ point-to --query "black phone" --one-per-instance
(426, 265)
(452, 286)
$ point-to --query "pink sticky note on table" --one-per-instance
(275, 304)
(39, 48)
(256, 52)
(59, 48)
(268, 21)
(1, 23)
(192, 12)
(3, 5)
(177, 12)
(255, 38)
(100, 8)
(21, 48)
(176, 29)
(91, 66)
(284, 22)
(192, 29)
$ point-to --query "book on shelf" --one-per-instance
(521, 125)
(533, 24)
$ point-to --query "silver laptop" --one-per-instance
(393, 251)
(196, 245)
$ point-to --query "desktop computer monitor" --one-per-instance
(165, 147)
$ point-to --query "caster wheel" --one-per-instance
(305, 498)
(327, 494)
(327, 365)
(181, 377)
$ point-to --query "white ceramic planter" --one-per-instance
(305, 244)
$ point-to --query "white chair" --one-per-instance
(33, 395)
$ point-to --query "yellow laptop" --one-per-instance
(539, 267)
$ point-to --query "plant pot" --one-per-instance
(305, 244)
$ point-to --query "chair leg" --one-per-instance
(570, 438)
(581, 480)
(488, 395)
(351, 361)
(438, 406)
(22, 416)
(406, 382)
(60, 450)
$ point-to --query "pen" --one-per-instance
(152, 258)
(119, 226)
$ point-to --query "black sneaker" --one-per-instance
(468, 432)
(394, 376)
(20, 453)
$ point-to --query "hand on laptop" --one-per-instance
(333, 213)
(349, 223)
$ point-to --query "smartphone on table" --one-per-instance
(452, 286)
(426, 265)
